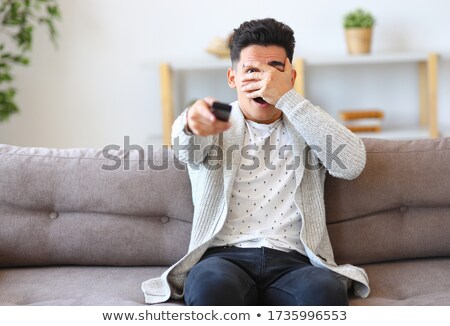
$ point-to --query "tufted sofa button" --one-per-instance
(53, 215)
(164, 219)
(403, 209)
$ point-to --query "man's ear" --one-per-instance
(231, 78)
(293, 77)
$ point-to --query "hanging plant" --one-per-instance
(18, 21)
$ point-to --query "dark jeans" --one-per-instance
(261, 276)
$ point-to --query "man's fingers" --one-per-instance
(264, 70)
(205, 111)
(253, 75)
(209, 100)
(255, 95)
(261, 66)
(252, 86)
(202, 121)
(268, 81)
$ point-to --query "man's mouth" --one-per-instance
(260, 100)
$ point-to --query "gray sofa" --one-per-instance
(78, 229)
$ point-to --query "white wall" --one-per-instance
(102, 84)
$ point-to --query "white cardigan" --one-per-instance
(309, 128)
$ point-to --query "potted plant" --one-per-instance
(358, 26)
(18, 21)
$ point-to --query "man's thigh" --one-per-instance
(306, 286)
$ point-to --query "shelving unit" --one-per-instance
(427, 75)
(428, 86)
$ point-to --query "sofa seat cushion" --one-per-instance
(418, 282)
(90, 286)
(412, 282)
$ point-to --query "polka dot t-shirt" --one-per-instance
(262, 211)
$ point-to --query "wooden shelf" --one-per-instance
(427, 76)
(376, 58)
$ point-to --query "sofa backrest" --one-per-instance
(65, 207)
(398, 208)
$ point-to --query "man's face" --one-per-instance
(256, 109)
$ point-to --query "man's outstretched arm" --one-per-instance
(193, 131)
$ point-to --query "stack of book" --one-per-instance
(362, 120)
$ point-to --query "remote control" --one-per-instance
(221, 111)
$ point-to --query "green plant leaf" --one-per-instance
(7, 104)
(54, 11)
(5, 77)
(19, 19)
(24, 37)
(359, 19)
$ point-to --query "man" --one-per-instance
(259, 233)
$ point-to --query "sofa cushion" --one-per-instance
(63, 206)
(398, 208)
(70, 285)
(417, 282)
(414, 282)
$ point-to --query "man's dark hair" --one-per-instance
(263, 32)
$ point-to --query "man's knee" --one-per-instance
(327, 290)
(217, 282)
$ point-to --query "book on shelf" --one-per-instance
(361, 114)
(364, 128)
(362, 120)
